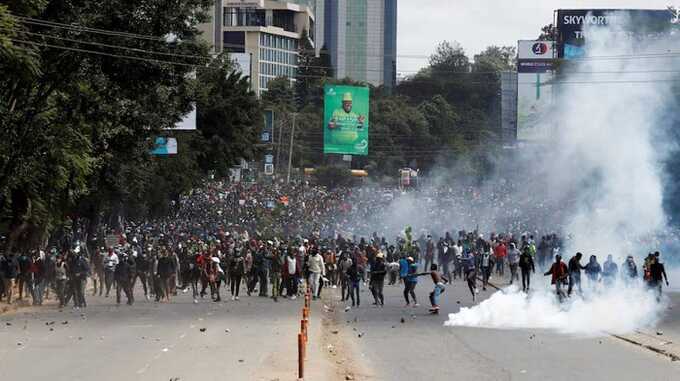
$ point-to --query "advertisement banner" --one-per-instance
(534, 66)
(164, 146)
(571, 24)
(534, 89)
(534, 98)
(346, 120)
(535, 50)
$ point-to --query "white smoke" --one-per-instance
(615, 310)
(604, 159)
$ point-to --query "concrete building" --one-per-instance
(269, 31)
(361, 36)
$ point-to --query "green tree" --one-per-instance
(496, 59)
(449, 57)
(280, 95)
(311, 73)
(78, 123)
(229, 117)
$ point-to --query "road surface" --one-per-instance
(421, 348)
(254, 339)
(250, 339)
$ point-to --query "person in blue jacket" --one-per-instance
(410, 282)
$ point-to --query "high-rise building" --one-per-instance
(267, 31)
(361, 36)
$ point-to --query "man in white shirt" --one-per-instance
(110, 263)
(317, 269)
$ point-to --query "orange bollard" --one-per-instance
(305, 331)
(301, 357)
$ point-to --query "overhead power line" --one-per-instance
(138, 50)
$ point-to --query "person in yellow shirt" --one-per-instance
(345, 118)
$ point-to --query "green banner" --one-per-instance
(345, 119)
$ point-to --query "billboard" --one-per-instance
(534, 89)
(535, 50)
(164, 146)
(633, 22)
(346, 120)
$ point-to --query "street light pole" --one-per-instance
(290, 151)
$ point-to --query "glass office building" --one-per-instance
(269, 31)
(361, 36)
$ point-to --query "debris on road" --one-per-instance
(202, 329)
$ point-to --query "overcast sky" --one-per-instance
(476, 24)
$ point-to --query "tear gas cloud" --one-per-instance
(613, 310)
(606, 160)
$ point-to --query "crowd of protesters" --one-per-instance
(270, 240)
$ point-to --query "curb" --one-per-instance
(664, 348)
(668, 348)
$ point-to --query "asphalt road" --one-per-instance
(421, 348)
(157, 341)
(161, 341)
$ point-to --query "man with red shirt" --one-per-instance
(500, 251)
(559, 272)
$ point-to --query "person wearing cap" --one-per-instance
(345, 117)
(410, 282)
(378, 272)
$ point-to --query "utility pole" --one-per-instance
(290, 151)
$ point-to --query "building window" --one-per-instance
(243, 17)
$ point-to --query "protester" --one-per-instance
(560, 273)
(575, 268)
(378, 271)
(526, 265)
